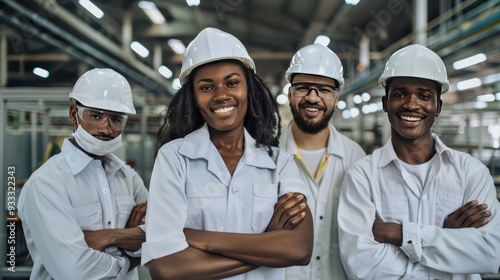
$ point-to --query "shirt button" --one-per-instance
(410, 242)
(235, 190)
(321, 217)
(109, 222)
(318, 257)
(105, 191)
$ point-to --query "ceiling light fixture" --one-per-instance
(165, 71)
(192, 3)
(139, 49)
(152, 12)
(322, 40)
(41, 72)
(352, 2)
(177, 46)
(466, 62)
(92, 8)
(470, 83)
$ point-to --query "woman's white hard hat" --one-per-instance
(210, 45)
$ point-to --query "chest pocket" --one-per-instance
(89, 217)
(124, 205)
(264, 198)
(446, 204)
(207, 205)
(392, 208)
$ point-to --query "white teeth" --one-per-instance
(224, 110)
(311, 109)
(411, 119)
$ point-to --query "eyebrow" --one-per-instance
(228, 76)
(419, 89)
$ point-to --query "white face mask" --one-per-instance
(96, 146)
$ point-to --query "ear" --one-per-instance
(384, 103)
(73, 114)
(439, 106)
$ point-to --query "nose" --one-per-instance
(314, 96)
(220, 93)
(105, 126)
(412, 102)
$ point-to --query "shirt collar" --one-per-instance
(388, 154)
(197, 144)
(77, 160)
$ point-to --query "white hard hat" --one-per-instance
(416, 61)
(210, 45)
(105, 89)
(317, 60)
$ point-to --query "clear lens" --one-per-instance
(96, 118)
(324, 91)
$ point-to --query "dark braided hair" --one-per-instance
(262, 120)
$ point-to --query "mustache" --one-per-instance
(103, 135)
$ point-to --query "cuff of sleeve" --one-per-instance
(134, 254)
(162, 247)
(412, 246)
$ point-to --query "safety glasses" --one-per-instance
(97, 118)
(326, 92)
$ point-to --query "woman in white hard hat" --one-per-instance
(218, 175)
(416, 209)
(81, 209)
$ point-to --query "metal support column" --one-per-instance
(420, 21)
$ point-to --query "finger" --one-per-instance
(294, 211)
(282, 200)
(472, 220)
(293, 222)
(472, 215)
(140, 212)
(457, 213)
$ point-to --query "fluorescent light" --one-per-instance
(352, 2)
(281, 99)
(176, 83)
(322, 40)
(366, 96)
(165, 72)
(341, 105)
(139, 49)
(177, 46)
(152, 11)
(467, 84)
(466, 62)
(357, 99)
(497, 96)
(193, 2)
(93, 9)
(346, 114)
(41, 72)
(491, 78)
(354, 112)
(485, 97)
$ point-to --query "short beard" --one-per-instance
(311, 128)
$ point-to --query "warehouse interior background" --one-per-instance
(45, 45)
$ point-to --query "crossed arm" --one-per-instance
(214, 255)
(471, 214)
(129, 238)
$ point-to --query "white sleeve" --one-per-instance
(361, 255)
(167, 208)
(289, 176)
(464, 250)
(50, 219)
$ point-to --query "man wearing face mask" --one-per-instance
(81, 210)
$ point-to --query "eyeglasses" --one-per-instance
(97, 117)
(324, 91)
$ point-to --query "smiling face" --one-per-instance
(412, 104)
(221, 94)
(311, 113)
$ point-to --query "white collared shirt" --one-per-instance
(342, 152)
(72, 192)
(378, 187)
(192, 187)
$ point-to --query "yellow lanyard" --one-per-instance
(322, 165)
